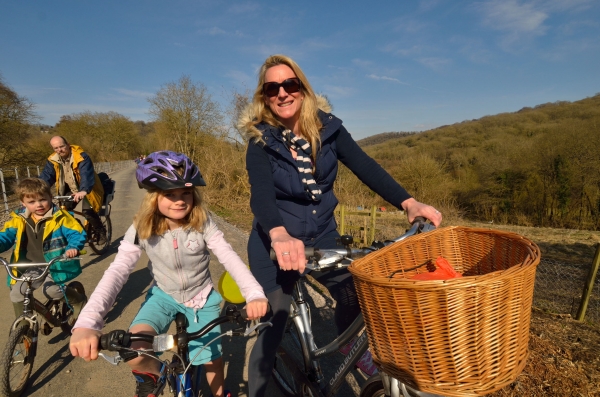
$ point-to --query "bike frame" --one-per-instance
(300, 315)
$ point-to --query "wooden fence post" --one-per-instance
(342, 218)
(373, 217)
(589, 285)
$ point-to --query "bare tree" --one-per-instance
(16, 117)
(187, 112)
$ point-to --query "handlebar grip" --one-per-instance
(419, 219)
(114, 340)
(308, 252)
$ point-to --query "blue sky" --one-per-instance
(385, 65)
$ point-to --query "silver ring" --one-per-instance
(285, 253)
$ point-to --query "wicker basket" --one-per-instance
(460, 337)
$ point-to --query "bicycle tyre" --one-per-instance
(67, 320)
(16, 362)
(100, 249)
(373, 387)
(288, 371)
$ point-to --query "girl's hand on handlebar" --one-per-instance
(414, 209)
(256, 309)
(289, 250)
(71, 253)
(84, 343)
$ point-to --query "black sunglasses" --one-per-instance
(289, 85)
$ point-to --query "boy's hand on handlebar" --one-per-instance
(84, 343)
(414, 209)
(289, 250)
(256, 309)
(71, 253)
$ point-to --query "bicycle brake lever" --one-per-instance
(256, 326)
(114, 360)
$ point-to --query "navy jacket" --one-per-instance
(278, 196)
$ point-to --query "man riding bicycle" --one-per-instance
(73, 172)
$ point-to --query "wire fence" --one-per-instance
(10, 176)
(559, 289)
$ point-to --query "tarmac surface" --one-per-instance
(56, 373)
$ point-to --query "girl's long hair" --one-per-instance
(148, 221)
(309, 124)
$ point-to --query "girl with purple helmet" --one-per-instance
(176, 231)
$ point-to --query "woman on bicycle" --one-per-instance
(292, 160)
(176, 231)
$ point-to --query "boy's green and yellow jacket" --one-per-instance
(61, 233)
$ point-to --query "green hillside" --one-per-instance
(536, 167)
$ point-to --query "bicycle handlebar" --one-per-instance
(42, 275)
(326, 259)
(120, 339)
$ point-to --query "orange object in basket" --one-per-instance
(443, 271)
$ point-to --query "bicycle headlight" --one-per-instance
(163, 342)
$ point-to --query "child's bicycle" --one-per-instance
(298, 371)
(98, 239)
(19, 354)
(179, 374)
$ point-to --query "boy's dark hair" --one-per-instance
(32, 187)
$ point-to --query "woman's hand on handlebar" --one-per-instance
(414, 209)
(256, 309)
(289, 250)
(84, 343)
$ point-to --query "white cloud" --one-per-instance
(240, 77)
(510, 15)
(435, 63)
(244, 8)
(133, 93)
(395, 80)
(336, 91)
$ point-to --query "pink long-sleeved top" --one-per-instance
(179, 266)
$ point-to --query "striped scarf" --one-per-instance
(303, 161)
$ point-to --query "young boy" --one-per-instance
(39, 232)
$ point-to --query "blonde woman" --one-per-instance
(174, 229)
(294, 145)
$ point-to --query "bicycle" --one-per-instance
(98, 239)
(19, 354)
(182, 377)
(297, 371)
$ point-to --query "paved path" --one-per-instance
(56, 373)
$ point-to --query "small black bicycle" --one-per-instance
(19, 354)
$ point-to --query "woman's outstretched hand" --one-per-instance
(414, 209)
(289, 250)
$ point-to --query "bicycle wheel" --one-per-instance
(98, 242)
(67, 323)
(16, 362)
(373, 387)
(289, 372)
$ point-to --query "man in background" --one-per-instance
(73, 172)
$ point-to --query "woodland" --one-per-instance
(538, 166)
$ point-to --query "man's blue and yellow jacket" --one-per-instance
(61, 233)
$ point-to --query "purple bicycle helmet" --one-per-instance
(157, 171)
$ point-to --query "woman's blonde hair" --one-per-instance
(309, 124)
(149, 221)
